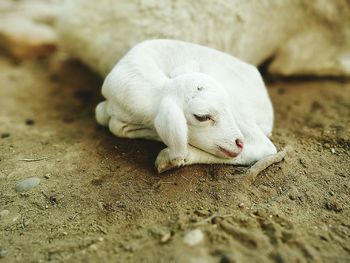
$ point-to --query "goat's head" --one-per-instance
(199, 113)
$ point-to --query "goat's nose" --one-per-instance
(239, 143)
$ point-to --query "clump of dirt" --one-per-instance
(99, 198)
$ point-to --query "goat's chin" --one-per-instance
(219, 152)
(227, 154)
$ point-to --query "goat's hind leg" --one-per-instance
(127, 130)
(102, 117)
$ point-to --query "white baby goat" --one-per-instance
(205, 105)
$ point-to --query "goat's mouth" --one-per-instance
(227, 153)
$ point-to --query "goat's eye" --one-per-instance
(202, 118)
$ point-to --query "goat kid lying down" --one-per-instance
(205, 105)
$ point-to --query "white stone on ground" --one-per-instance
(27, 184)
(4, 213)
(194, 237)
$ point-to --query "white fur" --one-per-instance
(156, 88)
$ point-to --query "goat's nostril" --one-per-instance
(239, 143)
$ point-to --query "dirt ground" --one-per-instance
(99, 199)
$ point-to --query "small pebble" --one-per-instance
(15, 218)
(3, 252)
(194, 237)
(47, 176)
(302, 162)
(29, 121)
(293, 193)
(4, 213)
(5, 135)
(100, 205)
(93, 247)
(334, 205)
(59, 197)
(201, 212)
(332, 150)
(165, 238)
(27, 184)
(227, 258)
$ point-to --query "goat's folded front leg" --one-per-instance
(250, 154)
(164, 162)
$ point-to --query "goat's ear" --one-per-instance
(171, 126)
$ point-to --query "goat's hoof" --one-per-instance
(164, 163)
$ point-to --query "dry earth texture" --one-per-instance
(99, 199)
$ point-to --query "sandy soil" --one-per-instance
(99, 199)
